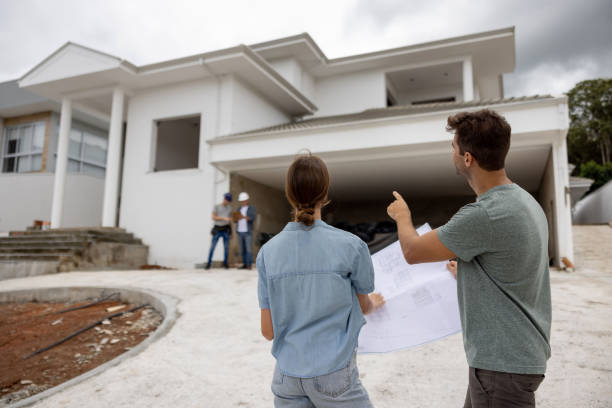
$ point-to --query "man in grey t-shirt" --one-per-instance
(503, 287)
(222, 228)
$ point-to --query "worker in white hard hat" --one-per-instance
(244, 228)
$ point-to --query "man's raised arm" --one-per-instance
(416, 249)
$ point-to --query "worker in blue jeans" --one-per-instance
(222, 228)
(244, 227)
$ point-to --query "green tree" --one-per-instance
(590, 111)
(601, 174)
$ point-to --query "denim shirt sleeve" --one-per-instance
(362, 274)
(262, 282)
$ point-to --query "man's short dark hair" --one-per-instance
(485, 134)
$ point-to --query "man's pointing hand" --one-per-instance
(398, 209)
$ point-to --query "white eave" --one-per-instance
(73, 69)
(495, 46)
(493, 50)
(391, 114)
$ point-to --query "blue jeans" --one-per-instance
(225, 236)
(246, 245)
(341, 388)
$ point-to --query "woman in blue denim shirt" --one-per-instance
(313, 290)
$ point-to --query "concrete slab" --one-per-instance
(13, 269)
(214, 355)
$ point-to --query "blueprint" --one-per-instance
(421, 303)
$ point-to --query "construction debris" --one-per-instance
(115, 308)
(567, 264)
(102, 321)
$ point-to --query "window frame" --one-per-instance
(82, 160)
(27, 154)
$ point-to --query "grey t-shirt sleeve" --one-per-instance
(468, 233)
(262, 282)
(362, 274)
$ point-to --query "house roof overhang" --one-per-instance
(74, 70)
(372, 153)
(301, 47)
(491, 52)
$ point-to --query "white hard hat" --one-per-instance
(243, 196)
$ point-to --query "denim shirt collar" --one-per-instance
(298, 226)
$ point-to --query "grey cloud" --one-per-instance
(569, 38)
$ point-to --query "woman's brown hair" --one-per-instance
(307, 185)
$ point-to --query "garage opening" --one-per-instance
(176, 144)
(361, 190)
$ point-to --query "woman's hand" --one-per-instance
(452, 268)
(370, 302)
(377, 300)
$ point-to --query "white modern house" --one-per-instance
(185, 131)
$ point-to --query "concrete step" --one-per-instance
(120, 238)
(80, 230)
(44, 244)
(76, 250)
(23, 253)
(17, 257)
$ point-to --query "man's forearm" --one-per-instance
(406, 233)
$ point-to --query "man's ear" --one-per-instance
(468, 159)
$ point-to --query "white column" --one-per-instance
(61, 163)
(563, 213)
(1, 141)
(113, 161)
(468, 80)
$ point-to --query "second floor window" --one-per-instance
(23, 147)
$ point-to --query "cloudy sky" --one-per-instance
(558, 42)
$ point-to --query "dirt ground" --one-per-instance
(28, 327)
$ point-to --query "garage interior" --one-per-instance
(361, 190)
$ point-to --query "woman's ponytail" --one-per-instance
(306, 186)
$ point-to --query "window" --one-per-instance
(87, 153)
(22, 147)
(177, 143)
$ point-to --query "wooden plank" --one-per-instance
(45, 153)
(20, 120)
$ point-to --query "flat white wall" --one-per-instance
(308, 86)
(250, 110)
(489, 87)
(169, 210)
(292, 71)
(350, 93)
(289, 69)
(27, 197)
